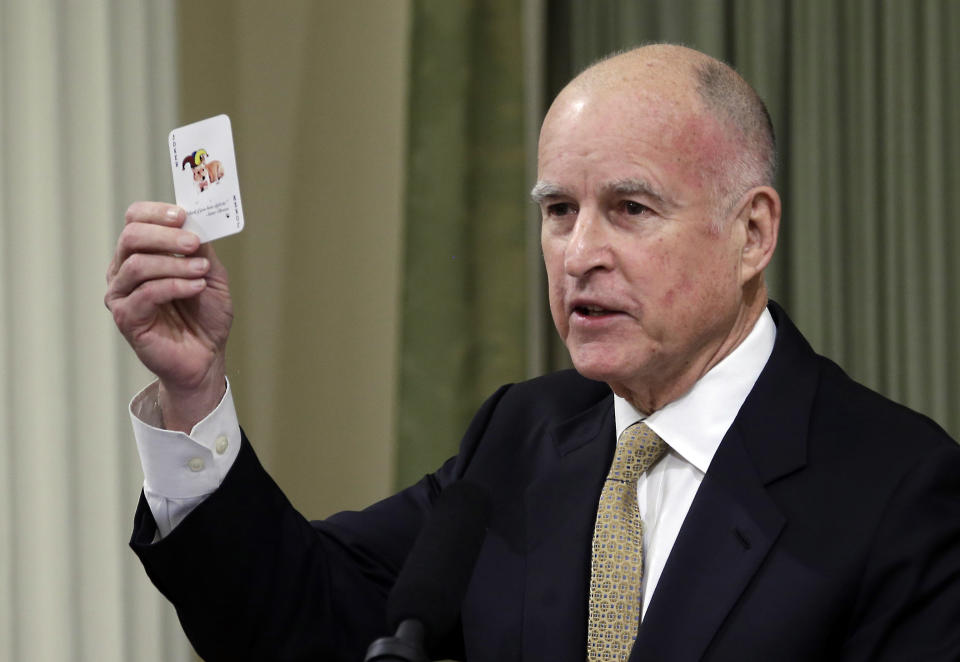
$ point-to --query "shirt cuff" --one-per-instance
(181, 466)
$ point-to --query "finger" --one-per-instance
(147, 238)
(142, 267)
(140, 308)
(158, 213)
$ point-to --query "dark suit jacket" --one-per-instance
(827, 527)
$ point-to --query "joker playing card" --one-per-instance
(205, 179)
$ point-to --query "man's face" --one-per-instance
(644, 286)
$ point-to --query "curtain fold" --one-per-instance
(86, 97)
(463, 301)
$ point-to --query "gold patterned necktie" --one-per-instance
(616, 569)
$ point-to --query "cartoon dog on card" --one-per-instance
(205, 172)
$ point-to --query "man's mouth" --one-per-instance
(592, 311)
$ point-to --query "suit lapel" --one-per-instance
(733, 522)
(730, 528)
(559, 511)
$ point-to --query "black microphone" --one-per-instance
(425, 602)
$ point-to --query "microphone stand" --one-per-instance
(405, 646)
(429, 590)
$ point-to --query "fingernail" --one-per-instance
(197, 284)
(198, 264)
(173, 213)
(186, 240)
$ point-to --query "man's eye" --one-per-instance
(634, 208)
(560, 209)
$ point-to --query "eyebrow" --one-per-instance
(544, 190)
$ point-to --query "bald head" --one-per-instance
(688, 83)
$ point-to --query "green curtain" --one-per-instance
(463, 319)
(863, 95)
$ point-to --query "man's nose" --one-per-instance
(589, 246)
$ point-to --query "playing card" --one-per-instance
(205, 179)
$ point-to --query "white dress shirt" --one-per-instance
(693, 427)
(181, 470)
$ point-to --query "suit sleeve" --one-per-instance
(909, 606)
(252, 579)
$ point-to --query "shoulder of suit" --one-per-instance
(874, 419)
(552, 397)
(845, 411)
(565, 388)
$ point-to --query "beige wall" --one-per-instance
(316, 93)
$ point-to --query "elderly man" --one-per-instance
(737, 497)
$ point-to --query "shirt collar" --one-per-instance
(694, 424)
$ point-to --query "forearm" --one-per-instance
(252, 579)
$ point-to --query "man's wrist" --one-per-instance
(181, 410)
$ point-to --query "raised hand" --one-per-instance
(170, 299)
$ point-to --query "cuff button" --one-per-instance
(221, 444)
(195, 464)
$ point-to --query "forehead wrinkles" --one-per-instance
(651, 95)
(664, 130)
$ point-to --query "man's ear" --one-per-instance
(761, 217)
